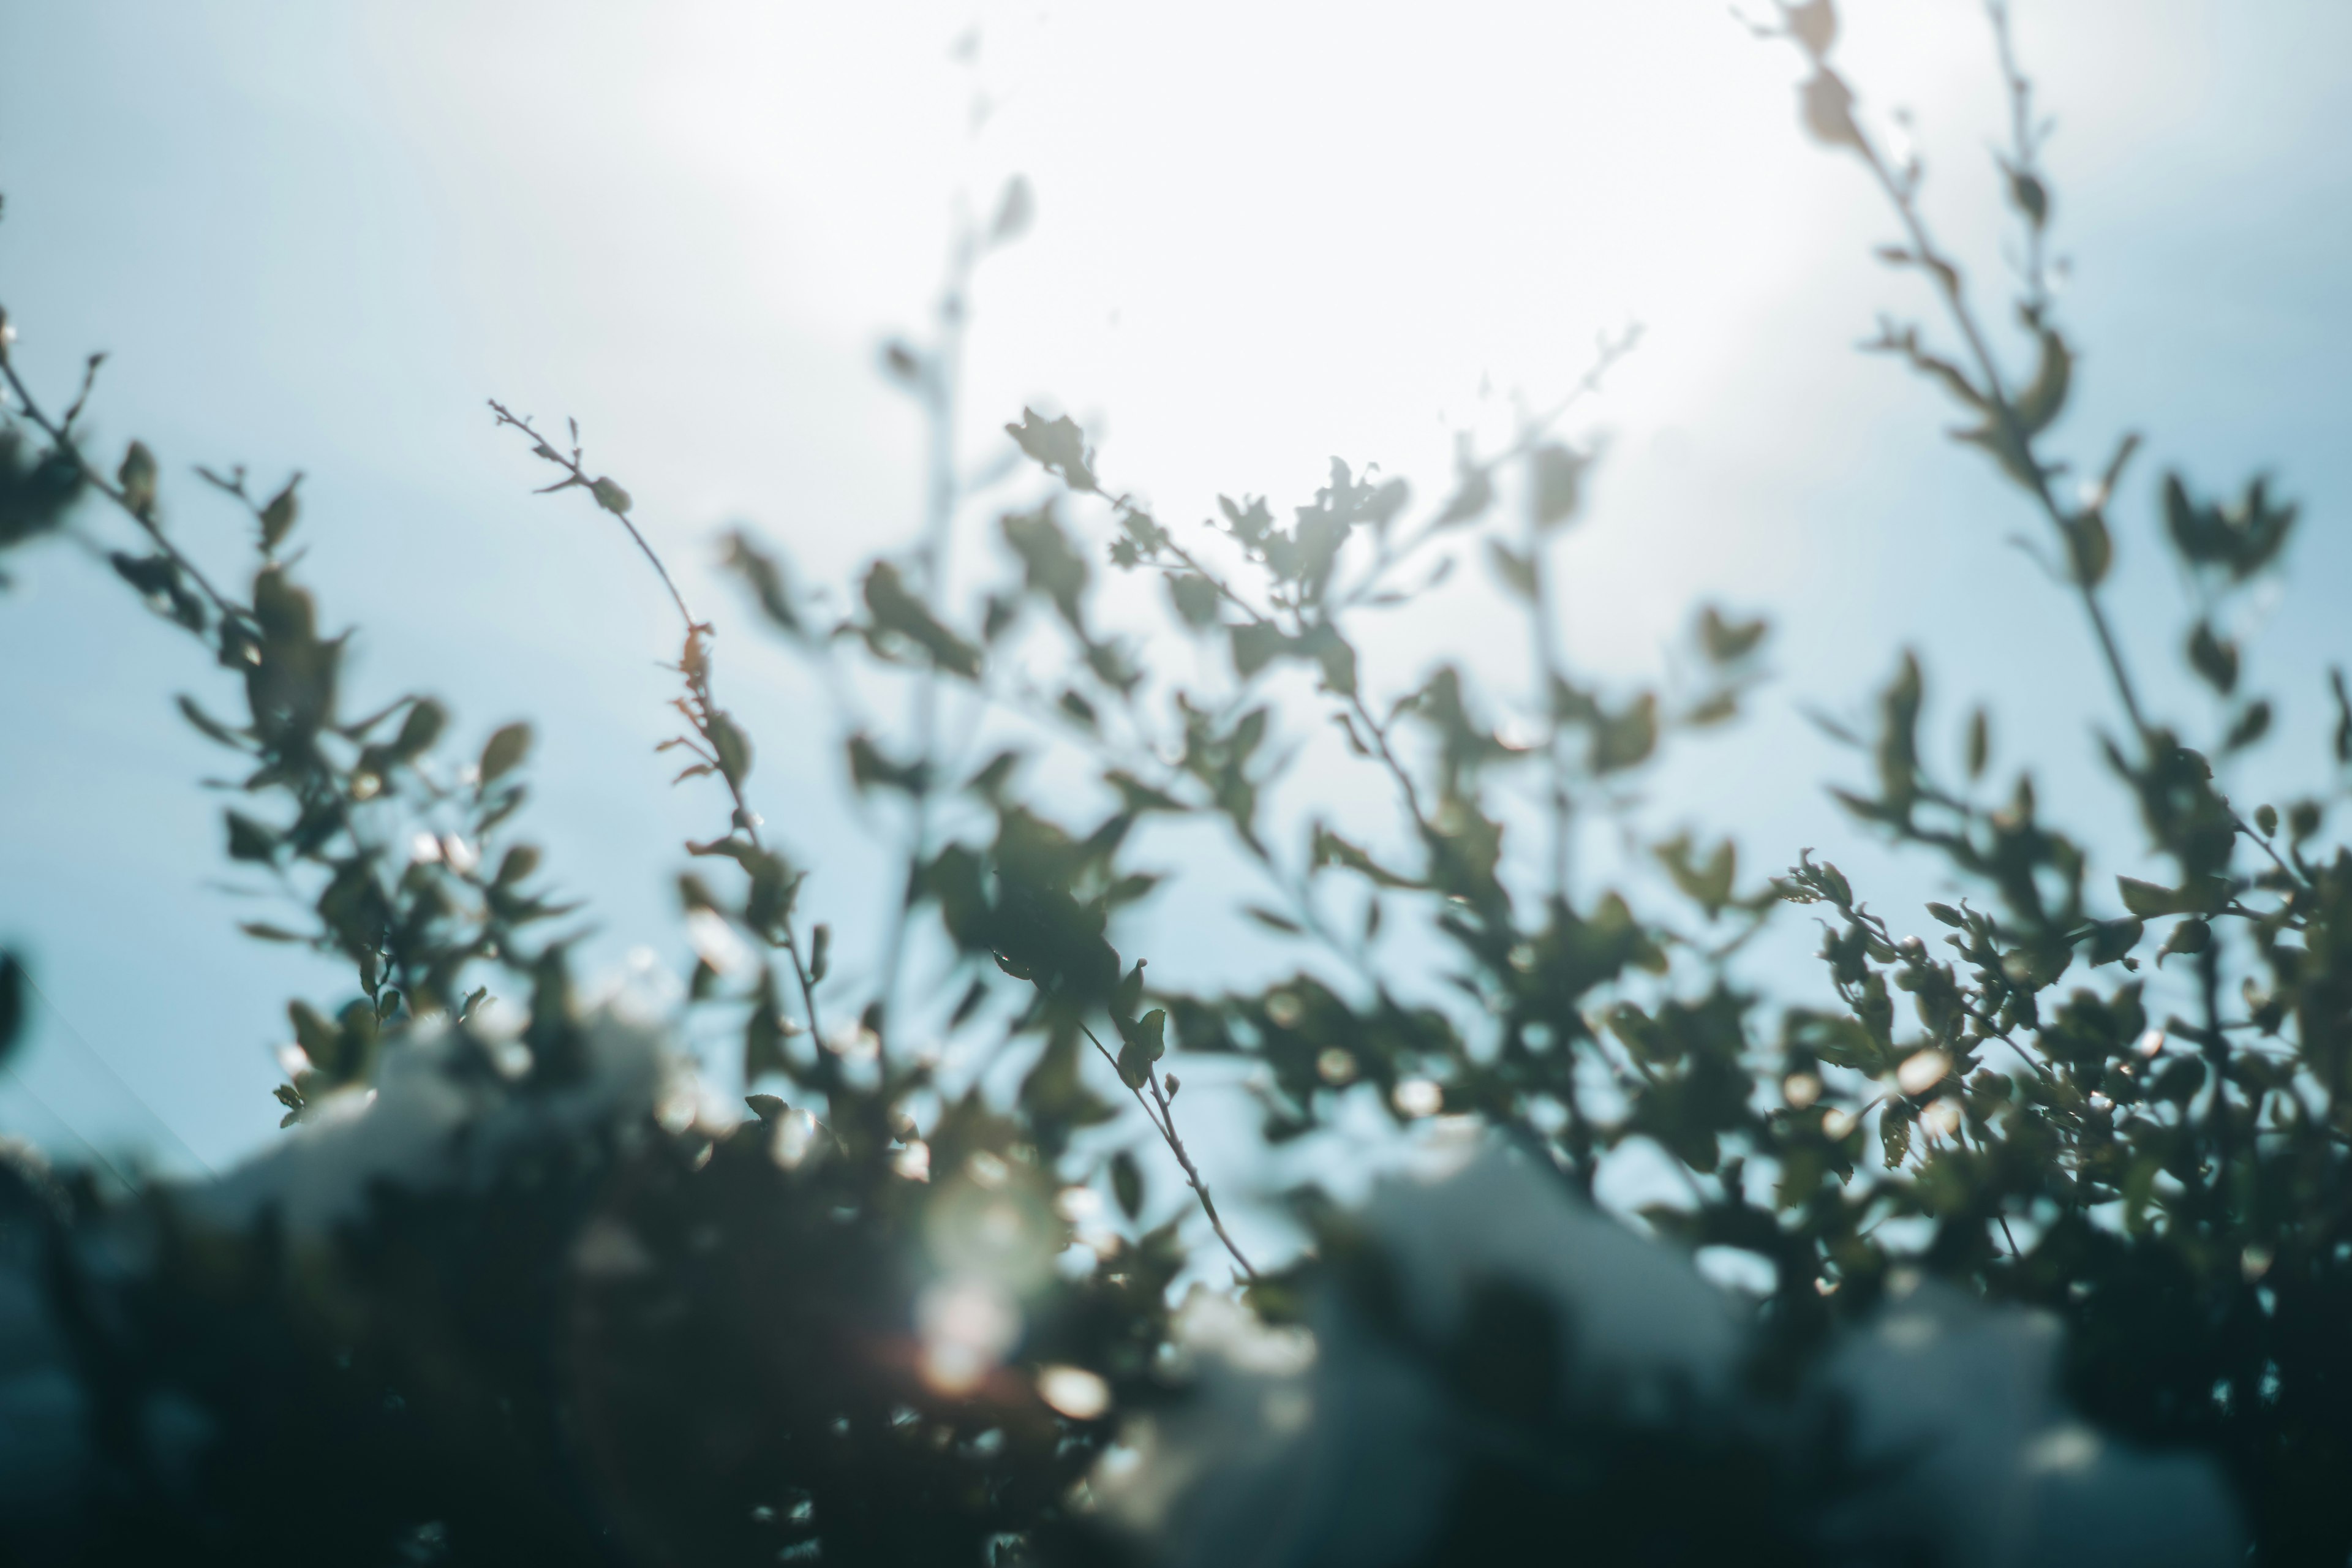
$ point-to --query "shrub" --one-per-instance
(520, 1284)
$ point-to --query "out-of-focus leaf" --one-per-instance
(12, 1002)
(2089, 548)
(2214, 658)
(1555, 484)
(1143, 1042)
(137, 477)
(2149, 901)
(899, 612)
(2111, 940)
(766, 576)
(2044, 397)
(1127, 1184)
(733, 747)
(425, 721)
(1623, 739)
(611, 497)
(1474, 490)
(1052, 568)
(1828, 110)
(250, 840)
(212, 728)
(278, 517)
(1813, 25)
(1256, 644)
(1195, 598)
(869, 768)
(1517, 571)
(1728, 641)
(2250, 727)
(1331, 850)
(504, 752)
(1057, 445)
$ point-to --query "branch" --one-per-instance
(1164, 1123)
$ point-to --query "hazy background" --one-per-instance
(317, 236)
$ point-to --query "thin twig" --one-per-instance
(701, 705)
(1164, 1123)
(61, 438)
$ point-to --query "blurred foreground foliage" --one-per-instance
(520, 1285)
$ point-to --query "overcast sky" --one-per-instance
(319, 236)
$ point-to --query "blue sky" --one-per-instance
(318, 237)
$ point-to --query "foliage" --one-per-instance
(894, 1320)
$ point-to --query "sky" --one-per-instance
(320, 236)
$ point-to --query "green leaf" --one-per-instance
(250, 840)
(1331, 850)
(1127, 1184)
(1143, 1043)
(2190, 936)
(1474, 490)
(1273, 920)
(425, 721)
(2111, 940)
(611, 497)
(1517, 571)
(1256, 644)
(1706, 884)
(2214, 658)
(766, 576)
(2044, 396)
(2242, 538)
(1051, 568)
(1057, 445)
(868, 767)
(1555, 484)
(1895, 1133)
(1622, 739)
(2089, 547)
(2252, 726)
(763, 1040)
(900, 612)
(1323, 645)
(321, 1041)
(1898, 735)
(2148, 900)
(505, 751)
(1129, 994)
(1729, 642)
(278, 517)
(1195, 598)
(137, 478)
(12, 1002)
(212, 728)
(2030, 195)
